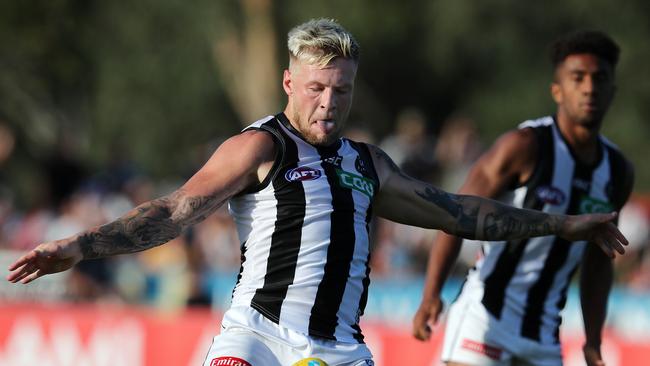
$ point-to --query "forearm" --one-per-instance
(151, 224)
(595, 284)
(442, 257)
(484, 219)
(497, 221)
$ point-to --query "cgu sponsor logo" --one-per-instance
(593, 205)
(551, 195)
(302, 173)
(229, 361)
(358, 183)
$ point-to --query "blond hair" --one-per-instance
(319, 41)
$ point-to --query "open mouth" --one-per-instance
(326, 125)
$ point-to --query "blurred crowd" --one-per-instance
(180, 273)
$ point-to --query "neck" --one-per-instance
(290, 117)
(582, 139)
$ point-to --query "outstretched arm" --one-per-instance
(241, 161)
(409, 201)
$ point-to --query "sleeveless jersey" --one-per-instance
(304, 233)
(523, 284)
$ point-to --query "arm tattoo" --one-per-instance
(506, 222)
(465, 211)
(148, 225)
(480, 218)
(483, 219)
(382, 156)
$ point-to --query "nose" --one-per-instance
(328, 99)
(588, 85)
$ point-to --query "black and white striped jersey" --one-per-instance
(304, 234)
(523, 284)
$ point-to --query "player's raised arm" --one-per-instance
(412, 202)
(240, 162)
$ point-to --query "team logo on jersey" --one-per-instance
(302, 173)
(593, 205)
(229, 361)
(356, 182)
(360, 166)
(550, 195)
(310, 362)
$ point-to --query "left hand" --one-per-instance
(592, 355)
(595, 228)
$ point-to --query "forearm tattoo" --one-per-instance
(509, 223)
(466, 213)
(479, 218)
(483, 219)
(148, 225)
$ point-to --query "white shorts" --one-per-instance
(249, 339)
(474, 337)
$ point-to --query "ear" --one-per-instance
(556, 93)
(287, 85)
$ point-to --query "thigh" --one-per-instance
(537, 354)
(240, 347)
(466, 340)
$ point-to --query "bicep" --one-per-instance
(406, 200)
(230, 170)
(232, 167)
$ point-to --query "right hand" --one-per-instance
(47, 258)
(426, 317)
(592, 355)
(595, 228)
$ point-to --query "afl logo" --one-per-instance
(550, 195)
(302, 173)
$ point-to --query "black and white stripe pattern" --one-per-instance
(523, 284)
(306, 236)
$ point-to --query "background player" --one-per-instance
(509, 308)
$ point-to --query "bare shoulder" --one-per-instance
(510, 161)
(519, 144)
(384, 165)
(236, 165)
(252, 145)
(516, 151)
(257, 140)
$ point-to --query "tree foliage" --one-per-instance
(158, 78)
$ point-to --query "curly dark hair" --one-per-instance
(586, 41)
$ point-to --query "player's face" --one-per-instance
(320, 98)
(583, 89)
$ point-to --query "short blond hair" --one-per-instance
(319, 41)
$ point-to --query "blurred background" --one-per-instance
(107, 104)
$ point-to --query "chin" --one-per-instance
(323, 141)
(591, 122)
